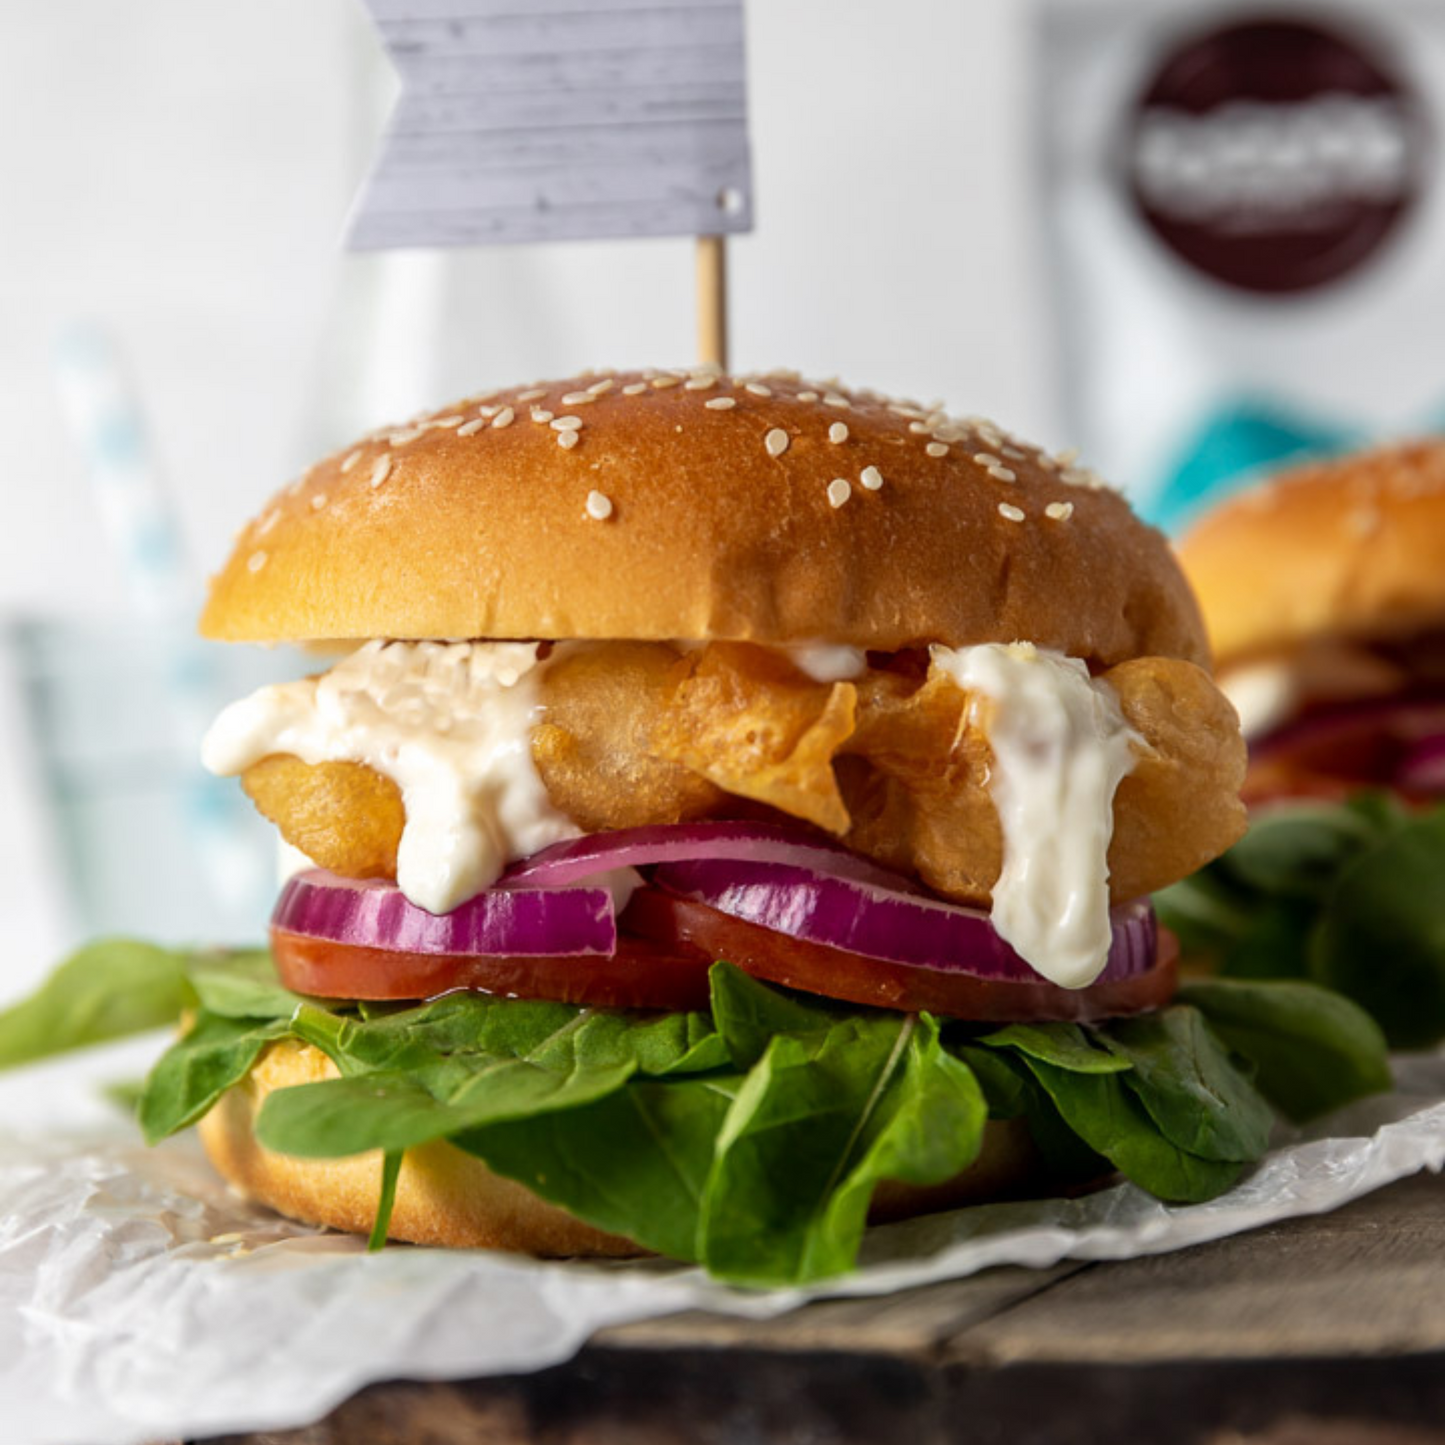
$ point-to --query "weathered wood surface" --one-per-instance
(1320, 1331)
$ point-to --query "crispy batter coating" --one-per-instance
(344, 816)
(643, 733)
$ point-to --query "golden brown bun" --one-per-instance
(428, 533)
(1353, 547)
(446, 1197)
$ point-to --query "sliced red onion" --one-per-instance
(577, 858)
(1404, 719)
(881, 922)
(519, 923)
(1422, 769)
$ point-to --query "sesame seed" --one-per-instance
(380, 470)
(949, 432)
(1003, 474)
(503, 417)
(908, 411)
(839, 490)
(635, 389)
(598, 387)
(267, 522)
(566, 423)
(660, 383)
(871, 478)
(540, 414)
(318, 501)
(838, 432)
(699, 383)
(920, 428)
(578, 398)
(488, 411)
(401, 438)
(776, 441)
(1010, 513)
(599, 505)
(1012, 452)
(1067, 457)
(568, 439)
(758, 389)
(807, 396)
(256, 562)
(987, 459)
(1059, 511)
(834, 398)
(721, 403)
(471, 428)
(351, 460)
(535, 393)
(445, 421)
(937, 449)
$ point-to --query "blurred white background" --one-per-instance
(180, 171)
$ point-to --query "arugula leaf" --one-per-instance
(1381, 937)
(1313, 1050)
(1189, 1086)
(821, 1118)
(214, 1054)
(1064, 1044)
(635, 1162)
(106, 990)
(1108, 1116)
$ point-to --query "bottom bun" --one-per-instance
(447, 1197)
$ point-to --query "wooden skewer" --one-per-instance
(712, 301)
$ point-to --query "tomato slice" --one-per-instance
(668, 946)
(641, 974)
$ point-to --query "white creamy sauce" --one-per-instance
(449, 723)
(1060, 747)
(828, 662)
(1264, 694)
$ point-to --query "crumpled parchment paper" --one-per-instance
(140, 1299)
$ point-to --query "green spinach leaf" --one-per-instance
(106, 990)
(1312, 1049)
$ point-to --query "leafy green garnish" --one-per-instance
(1312, 1049)
(107, 990)
(1347, 895)
(749, 1137)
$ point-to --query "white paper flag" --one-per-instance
(547, 120)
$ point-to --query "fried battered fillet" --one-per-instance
(640, 733)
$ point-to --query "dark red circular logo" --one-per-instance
(1274, 155)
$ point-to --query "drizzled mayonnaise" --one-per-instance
(1060, 746)
(449, 723)
(827, 661)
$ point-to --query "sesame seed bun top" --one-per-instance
(1353, 547)
(690, 505)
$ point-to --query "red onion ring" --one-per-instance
(575, 859)
(880, 922)
(520, 923)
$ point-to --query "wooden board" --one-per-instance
(1321, 1331)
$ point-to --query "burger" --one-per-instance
(729, 817)
(1324, 595)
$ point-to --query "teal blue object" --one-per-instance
(1241, 438)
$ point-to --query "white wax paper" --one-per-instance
(139, 1299)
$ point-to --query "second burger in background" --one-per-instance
(1324, 594)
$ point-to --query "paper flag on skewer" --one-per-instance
(548, 120)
